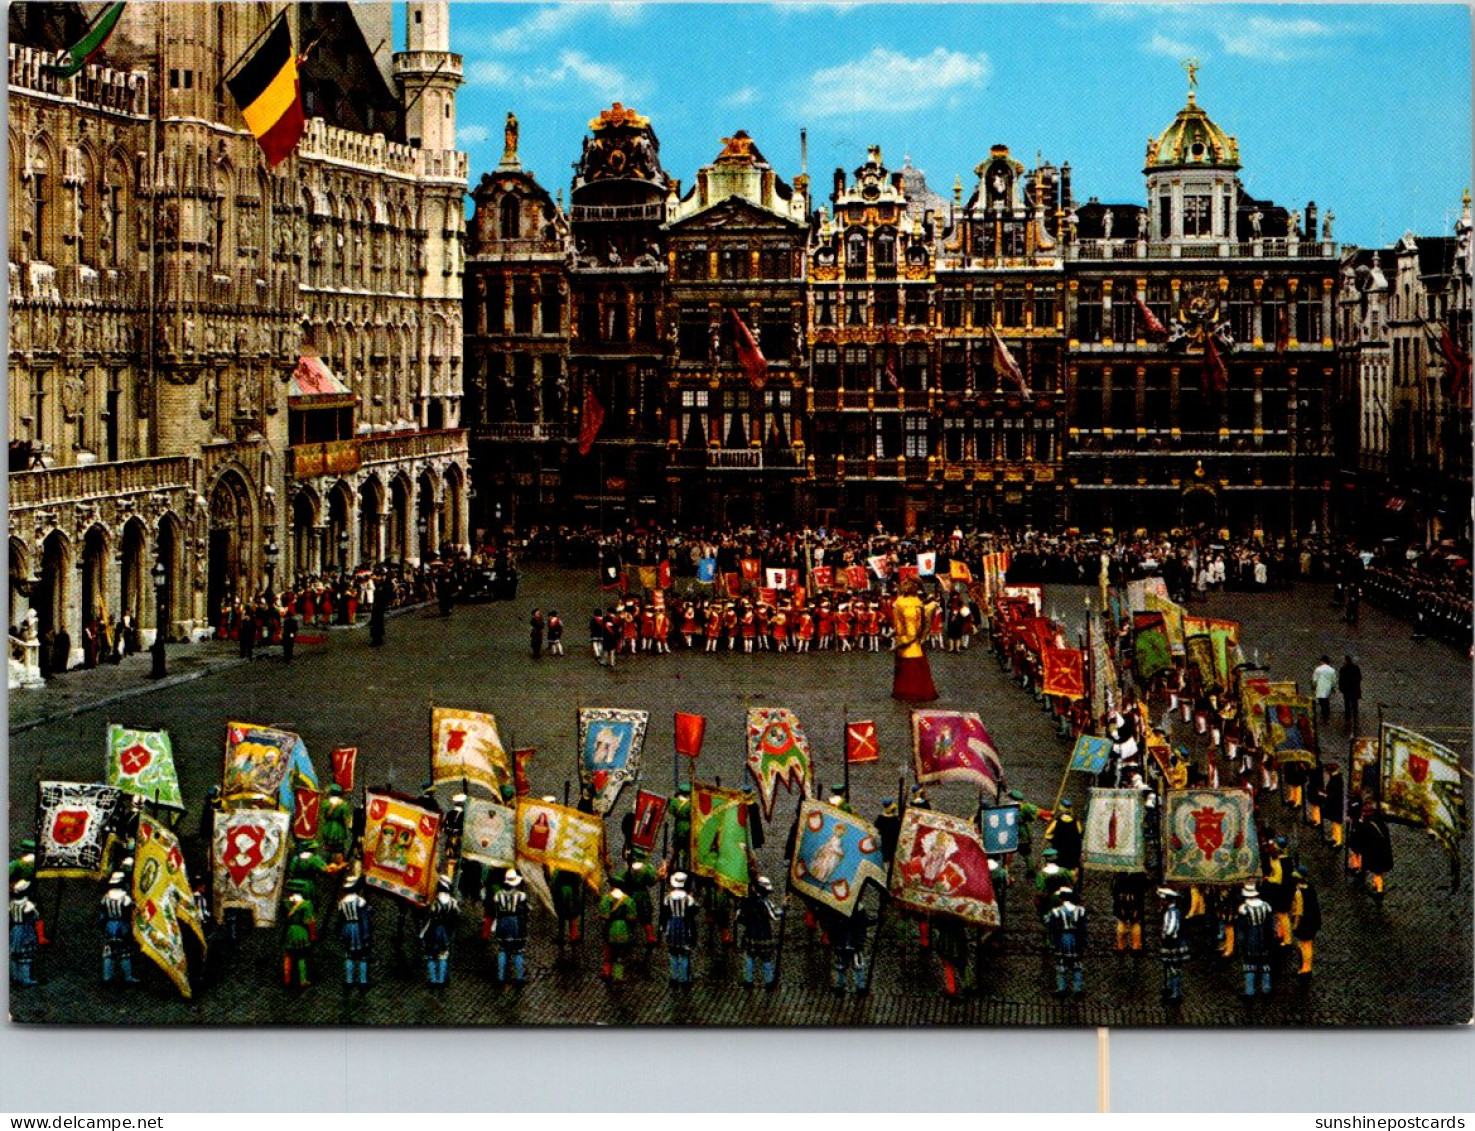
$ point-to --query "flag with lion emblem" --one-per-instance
(1210, 837)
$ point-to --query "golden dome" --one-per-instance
(1192, 141)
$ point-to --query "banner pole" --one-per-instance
(845, 748)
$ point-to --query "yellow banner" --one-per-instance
(163, 902)
(556, 836)
(465, 745)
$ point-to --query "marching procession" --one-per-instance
(1194, 791)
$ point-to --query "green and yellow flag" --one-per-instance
(141, 762)
(719, 837)
(1421, 785)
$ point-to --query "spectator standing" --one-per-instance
(1349, 682)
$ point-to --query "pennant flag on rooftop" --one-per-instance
(778, 751)
(79, 54)
(1422, 785)
(141, 762)
(1113, 838)
(941, 867)
(719, 837)
(835, 853)
(266, 88)
(466, 746)
(249, 860)
(1209, 837)
(74, 823)
(954, 746)
(399, 847)
(163, 903)
(610, 742)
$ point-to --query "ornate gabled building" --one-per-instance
(518, 405)
(1225, 422)
(223, 374)
(618, 352)
(735, 252)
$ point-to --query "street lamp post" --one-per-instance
(343, 549)
(161, 577)
(271, 553)
(424, 526)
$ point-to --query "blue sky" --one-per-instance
(1365, 109)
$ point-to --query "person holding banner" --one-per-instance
(436, 933)
(355, 931)
(912, 681)
(510, 927)
(756, 916)
(116, 914)
(1174, 947)
(1066, 926)
(678, 924)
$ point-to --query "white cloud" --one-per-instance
(472, 134)
(1160, 44)
(890, 81)
(743, 97)
(810, 7)
(1276, 41)
(548, 23)
(572, 69)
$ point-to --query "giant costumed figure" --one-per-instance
(912, 682)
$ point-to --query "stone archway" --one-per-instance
(399, 520)
(307, 556)
(96, 545)
(453, 508)
(232, 534)
(1198, 506)
(170, 551)
(52, 590)
(427, 524)
(338, 542)
(371, 521)
(134, 582)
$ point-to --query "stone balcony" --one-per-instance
(59, 485)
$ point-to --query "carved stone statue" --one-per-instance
(1142, 225)
(1108, 220)
(509, 140)
(1326, 225)
(1256, 217)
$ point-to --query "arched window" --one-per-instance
(510, 217)
(855, 250)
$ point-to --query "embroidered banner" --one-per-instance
(1422, 786)
(719, 837)
(345, 761)
(778, 751)
(163, 904)
(1290, 729)
(265, 762)
(489, 835)
(399, 847)
(1062, 672)
(141, 762)
(941, 868)
(1113, 840)
(835, 853)
(554, 836)
(465, 746)
(650, 811)
(306, 813)
(1364, 765)
(954, 746)
(1210, 837)
(249, 861)
(74, 825)
(1150, 648)
(610, 741)
(1198, 651)
(521, 758)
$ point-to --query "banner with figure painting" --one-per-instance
(399, 847)
(941, 867)
(835, 853)
(610, 741)
(954, 746)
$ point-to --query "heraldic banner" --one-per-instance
(1150, 649)
(1210, 837)
(1421, 785)
(650, 811)
(834, 855)
(163, 904)
(465, 746)
(489, 834)
(1063, 672)
(249, 860)
(1091, 754)
(953, 746)
(1113, 840)
(1199, 653)
(399, 847)
(74, 823)
(719, 837)
(1001, 830)
(267, 762)
(778, 751)
(610, 741)
(1290, 729)
(556, 836)
(141, 762)
(941, 867)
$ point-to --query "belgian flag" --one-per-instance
(267, 90)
